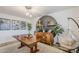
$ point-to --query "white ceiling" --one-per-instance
(36, 11)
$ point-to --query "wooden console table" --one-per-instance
(29, 42)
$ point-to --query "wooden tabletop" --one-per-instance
(29, 41)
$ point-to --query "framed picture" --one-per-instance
(4, 24)
(22, 25)
(15, 25)
(8, 24)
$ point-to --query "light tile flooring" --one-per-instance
(13, 48)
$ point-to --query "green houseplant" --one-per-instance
(57, 30)
(29, 25)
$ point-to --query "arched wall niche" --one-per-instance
(45, 23)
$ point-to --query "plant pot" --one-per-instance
(57, 44)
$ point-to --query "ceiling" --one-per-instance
(36, 11)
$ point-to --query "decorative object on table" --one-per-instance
(29, 26)
(57, 30)
(29, 36)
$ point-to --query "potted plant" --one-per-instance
(29, 25)
(57, 30)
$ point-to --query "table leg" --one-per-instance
(36, 46)
(35, 49)
(31, 50)
(21, 45)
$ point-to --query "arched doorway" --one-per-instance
(45, 23)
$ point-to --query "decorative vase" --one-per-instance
(57, 43)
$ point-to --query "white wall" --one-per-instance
(61, 18)
(6, 35)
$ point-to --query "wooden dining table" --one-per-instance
(30, 42)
